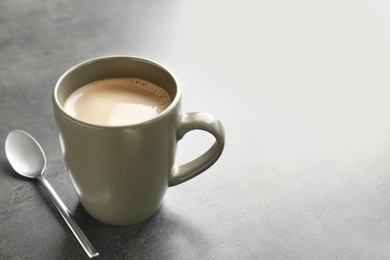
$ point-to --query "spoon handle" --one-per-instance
(74, 227)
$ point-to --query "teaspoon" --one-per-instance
(28, 159)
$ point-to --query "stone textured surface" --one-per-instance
(302, 88)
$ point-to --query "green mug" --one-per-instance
(121, 173)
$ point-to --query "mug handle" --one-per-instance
(208, 123)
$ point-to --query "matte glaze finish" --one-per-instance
(121, 173)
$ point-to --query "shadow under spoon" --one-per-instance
(28, 159)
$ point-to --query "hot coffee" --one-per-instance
(117, 102)
(121, 174)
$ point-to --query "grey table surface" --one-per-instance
(302, 88)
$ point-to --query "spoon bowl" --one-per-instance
(25, 154)
(28, 159)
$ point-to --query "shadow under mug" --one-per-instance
(121, 173)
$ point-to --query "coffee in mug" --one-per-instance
(117, 101)
(121, 164)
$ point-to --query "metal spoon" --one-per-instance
(28, 159)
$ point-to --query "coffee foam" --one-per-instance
(117, 101)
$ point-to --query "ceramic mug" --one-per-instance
(121, 173)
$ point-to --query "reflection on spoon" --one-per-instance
(28, 159)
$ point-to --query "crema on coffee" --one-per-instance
(117, 102)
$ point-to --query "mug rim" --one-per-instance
(166, 111)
